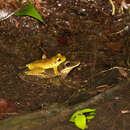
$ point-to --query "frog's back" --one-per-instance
(47, 63)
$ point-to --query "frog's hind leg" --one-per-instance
(56, 71)
(36, 71)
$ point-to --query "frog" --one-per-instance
(49, 75)
(39, 66)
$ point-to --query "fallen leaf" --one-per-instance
(7, 107)
(103, 88)
(123, 73)
(115, 46)
(92, 92)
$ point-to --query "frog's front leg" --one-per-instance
(56, 71)
(36, 71)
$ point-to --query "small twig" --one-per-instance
(113, 7)
(125, 111)
(126, 28)
(116, 67)
(102, 86)
(5, 15)
(14, 113)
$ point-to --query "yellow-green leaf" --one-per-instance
(80, 122)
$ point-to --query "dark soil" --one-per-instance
(81, 31)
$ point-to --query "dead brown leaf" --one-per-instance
(115, 46)
(7, 107)
(123, 73)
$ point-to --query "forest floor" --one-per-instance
(81, 31)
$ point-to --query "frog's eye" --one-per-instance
(67, 64)
(58, 59)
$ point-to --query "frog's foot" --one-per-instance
(36, 71)
(44, 57)
(29, 66)
(56, 71)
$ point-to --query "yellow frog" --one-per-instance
(39, 66)
(49, 75)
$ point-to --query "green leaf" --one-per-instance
(80, 122)
(77, 113)
(81, 112)
(30, 10)
(90, 117)
(92, 113)
(87, 110)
